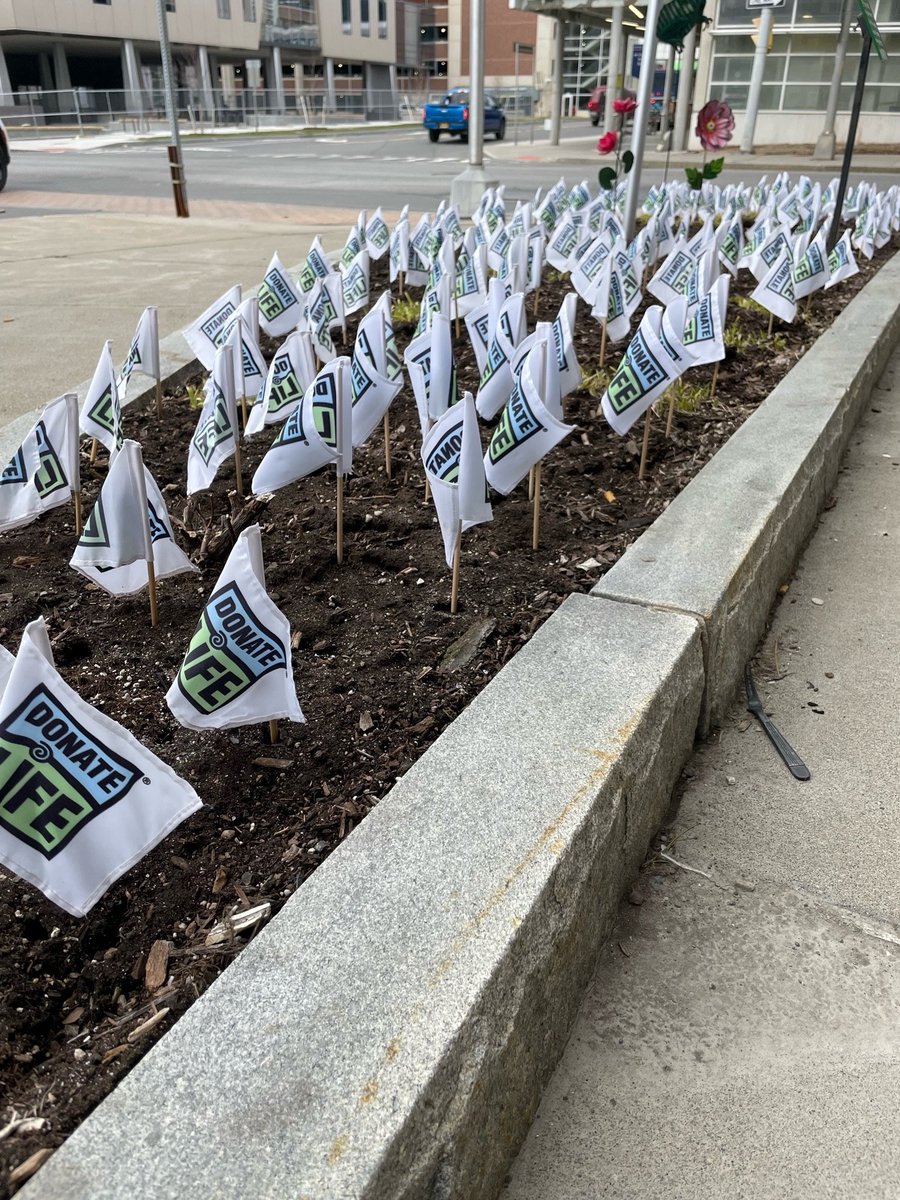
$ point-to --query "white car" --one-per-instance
(4, 155)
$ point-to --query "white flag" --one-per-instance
(643, 374)
(117, 533)
(249, 367)
(671, 280)
(237, 670)
(355, 284)
(279, 301)
(143, 354)
(841, 261)
(432, 371)
(317, 433)
(481, 322)
(6, 666)
(292, 371)
(81, 800)
(377, 235)
(316, 267)
(775, 291)
(216, 435)
(399, 248)
(526, 432)
(496, 381)
(44, 471)
(770, 250)
(372, 394)
(549, 384)
(210, 329)
(703, 336)
(810, 265)
(453, 458)
(590, 269)
(101, 413)
(567, 363)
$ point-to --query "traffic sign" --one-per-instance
(753, 5)
(868, 20)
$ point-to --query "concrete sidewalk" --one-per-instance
(67, 283)
(741, 1035)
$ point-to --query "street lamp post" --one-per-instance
(466, 189)
(176, 162)
(641, 115)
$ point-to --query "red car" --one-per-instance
(597, 102)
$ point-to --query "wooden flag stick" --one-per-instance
(537, 300)
(159, 397)
(340, 517)
(603, 345)
(646, 443)
(671, 415)
(715, 380)
(151, 588)
(454, 586)
(387, 445)
(771, 322)
(238, 481)
(93, 457)
(536, 520)
(76, 496)
(531, 485)
(273, 733)
(243, 411)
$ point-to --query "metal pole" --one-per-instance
(516, 134)
(614, 68)
(826, 144)
(667, 92)
(851, 139)
(556, 104)
(756, 80)
(641, 115)
(176, 161)
(476, 83)
(685, 90)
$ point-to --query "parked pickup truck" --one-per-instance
(451, 116)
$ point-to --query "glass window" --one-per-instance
(881, 99)
(734, 12)
(345, 16)
(170, 5)
(806, 98)
(433, 33)
(249, 10)
(382, 18)
(887, 12)
(223, 9)
(810, 68)
(818, 12)
(364, 18)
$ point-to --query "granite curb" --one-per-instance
(388, 1034)
(765, 487)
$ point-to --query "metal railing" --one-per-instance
(93, 110)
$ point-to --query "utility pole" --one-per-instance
(176, 162)
(466, 189)
(642, 115)
(827, 142)
(756, 77)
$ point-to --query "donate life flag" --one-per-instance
(841, 261)
(432, 371)
(371, 392)
(101, 413)
(143, 354)
(242, 334)
(775, 291)
(355, 284)
(810, 265)
(643, 374)
(315, 268)
(292, 371)
(481, 322)
(703, 337)
(279, 301)
(237, 670)
(453, 458)
(216, 435)
(45, 470)
(527, 429)
(81, 800)
(122, 533)
(318, 432)
(497, 378)
(377, 235)
(210, 329)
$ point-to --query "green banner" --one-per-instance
(872, 29)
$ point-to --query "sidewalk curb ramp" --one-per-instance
(388, 1034)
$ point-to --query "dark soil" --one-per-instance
(369, 638)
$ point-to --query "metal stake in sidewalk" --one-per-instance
(176, 161)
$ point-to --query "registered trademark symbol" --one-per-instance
(145, 780)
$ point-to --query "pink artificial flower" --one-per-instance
(628, 105)
(608, 142)
(715, 124)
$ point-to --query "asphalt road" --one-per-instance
(340, 170)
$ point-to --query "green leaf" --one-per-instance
(606, 177)
(713, 168)
(627, 161)
(694, 177)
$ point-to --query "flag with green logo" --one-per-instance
(644, 373)
(128, 526)
(237, 669)
(775, 291)
(216, 435)
(101, 412)
(290, 373)
(143, 353)
(280, 306)
(81, 800)
(452, 455)
(432, 371)
(841, 261)
(207, 333)
(496, 381)
(44, 471)
(377, 235)
(527, 429)
(316, 434)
